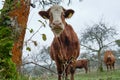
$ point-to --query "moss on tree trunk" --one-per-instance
(13, 22)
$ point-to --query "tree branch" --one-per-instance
(40, 66)
(89, 48)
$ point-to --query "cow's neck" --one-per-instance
(64, 40)
(64, 35)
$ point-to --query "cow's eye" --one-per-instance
(50, 26)
(50, 14)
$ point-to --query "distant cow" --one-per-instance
(109, 59)
(83, 63)
(65, 47)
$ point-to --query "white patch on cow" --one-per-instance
(56, 12)
(109, 55)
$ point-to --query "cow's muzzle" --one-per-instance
(57, 27)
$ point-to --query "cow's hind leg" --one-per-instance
(86, 69)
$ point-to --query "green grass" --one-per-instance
(110, 75)
(93, 75)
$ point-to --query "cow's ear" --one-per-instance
(69, 13)
(44, 14)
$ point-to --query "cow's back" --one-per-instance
(81, 63)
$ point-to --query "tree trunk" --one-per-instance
(100, 67)
(18, 14)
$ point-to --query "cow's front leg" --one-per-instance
(59, 70)
(66, 71)
(59, 76)
(110, 66)
(72, 71)
(113, 66)
(107, 67)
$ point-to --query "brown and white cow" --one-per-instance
(64, 49)
(109, 59)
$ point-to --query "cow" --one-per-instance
(65, 47)
(83, 63)
(109, 59)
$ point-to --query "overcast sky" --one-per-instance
(87, 12)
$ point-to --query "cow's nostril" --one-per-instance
(54, 24)
(57, 24)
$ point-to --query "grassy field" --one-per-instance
(110, 75)
(93, 75)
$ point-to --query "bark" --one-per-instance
(18, 14)
(100, 67)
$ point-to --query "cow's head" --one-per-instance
(109, 60)
(56, 15)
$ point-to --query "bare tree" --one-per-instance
(98, 37)
(40, 60)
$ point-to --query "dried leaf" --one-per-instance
(44, 37)
(35, 43)
(28, 48)
(31, 30)
(42, 23)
